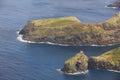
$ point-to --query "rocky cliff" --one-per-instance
(78, 63)
(108, 61)
(115, 4)
(71, 31)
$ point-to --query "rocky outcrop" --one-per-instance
(71, 31)
(108, 61)
(78, 63)
(115, 4)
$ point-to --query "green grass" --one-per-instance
(74, 58)
(113, 21)
(112, 56)
(53, 22)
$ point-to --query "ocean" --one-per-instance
(32, 61)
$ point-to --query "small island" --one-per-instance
(72, 32)
(115, 4)
(77, 64)
(80, 63)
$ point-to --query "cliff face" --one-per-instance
(115, 4)
(78, 63)
(109, 60)
(71, 31)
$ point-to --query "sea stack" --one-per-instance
(115, 4)
(107, 61)
(76, 64)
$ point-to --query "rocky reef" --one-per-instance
(71, 31)
(76, 64)
(107, 61)
(115, 4)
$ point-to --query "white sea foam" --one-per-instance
(77, 73)
(26, 41)
(103, 45)
(20, 39)
(111, 70)
(111, 7)
(114, 71)
(97, 45)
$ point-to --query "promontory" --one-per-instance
(109, 60)
(71, 31)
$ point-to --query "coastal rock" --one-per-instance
(71, 31)
(76, 64)
(115, 4)
(107, 61)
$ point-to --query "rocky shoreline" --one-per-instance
(116, 4)
(107, 61)
(80, 63)
(75, 73)
(71, 31)
(26, 41)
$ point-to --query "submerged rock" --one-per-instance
(115, 4)
(78, 63)
(108, 61)
(71, 31)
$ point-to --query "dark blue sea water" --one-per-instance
(24, 61)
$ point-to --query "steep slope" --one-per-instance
(109, 60)
(76, 64)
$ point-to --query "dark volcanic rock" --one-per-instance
(108, 61)
(115, 4)
(78, 63)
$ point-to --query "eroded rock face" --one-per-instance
(78, 63)
(115, 4)
(108, 61)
